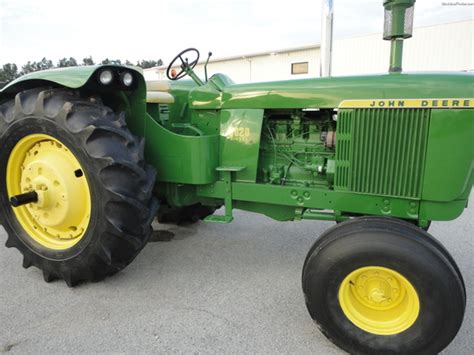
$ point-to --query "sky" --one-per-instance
(147, 29)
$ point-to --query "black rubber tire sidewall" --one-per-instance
(442, 301)
(112, 159)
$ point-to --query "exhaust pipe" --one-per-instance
(326, 38)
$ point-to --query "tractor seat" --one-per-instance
(158, 92)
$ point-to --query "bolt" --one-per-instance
(377, 295)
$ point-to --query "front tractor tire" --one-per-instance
(383, 286)
(80, 184)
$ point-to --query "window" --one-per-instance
(299, 68)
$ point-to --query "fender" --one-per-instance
(131, 100)
(69, 77)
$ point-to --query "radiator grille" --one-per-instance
(381, 151)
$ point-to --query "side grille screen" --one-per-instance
(381, 151)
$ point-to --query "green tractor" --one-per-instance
(90, 156)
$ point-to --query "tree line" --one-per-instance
(11, 71)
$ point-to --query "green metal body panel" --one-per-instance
(85, 78)
(450, 130)
(187, 159)
(270, 147)
(313, 198)
(240, 133)
(329, 92)
(71, 77)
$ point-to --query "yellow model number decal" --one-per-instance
(241, 133)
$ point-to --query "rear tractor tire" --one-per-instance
(75, 191)
(382, 286)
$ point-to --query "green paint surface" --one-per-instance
(409, 163)
(240, 132)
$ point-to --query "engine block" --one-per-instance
(298, 148)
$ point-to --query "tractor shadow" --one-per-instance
(168, 232)
(161, 236)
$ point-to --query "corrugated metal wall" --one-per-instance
(433, 48)
(267, 68)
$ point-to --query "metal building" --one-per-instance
(443, 47)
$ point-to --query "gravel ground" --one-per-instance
(209, 289)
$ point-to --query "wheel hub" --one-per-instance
(59, 218)
(377, 288)
(379, 300)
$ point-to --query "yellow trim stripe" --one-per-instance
(408, 103)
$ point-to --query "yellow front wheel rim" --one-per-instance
(43, 164)
(379, 300)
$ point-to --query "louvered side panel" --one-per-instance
(386, 151)
(343, 150)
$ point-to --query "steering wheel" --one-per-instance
(185, 64)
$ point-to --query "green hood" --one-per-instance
(329, 92)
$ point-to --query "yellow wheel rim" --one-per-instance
(379, 300)
(43, 164)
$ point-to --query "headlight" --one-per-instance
(127, 79)
(106, 77)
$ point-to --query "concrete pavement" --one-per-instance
(209, 289)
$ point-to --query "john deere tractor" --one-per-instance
(89, 156)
